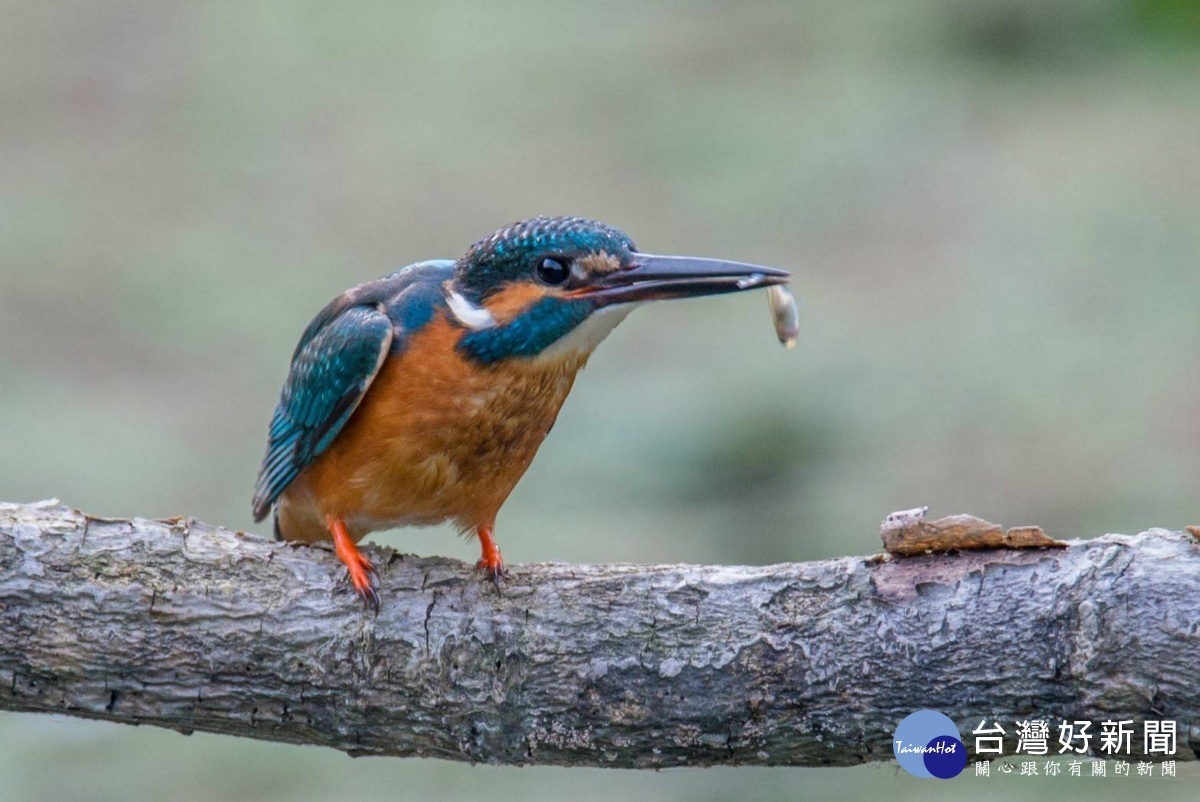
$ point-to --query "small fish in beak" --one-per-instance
(784, 314)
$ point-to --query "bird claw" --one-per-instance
(363, 575)
(493, 569)
(365, 578)
(490, 563)
(370, 598)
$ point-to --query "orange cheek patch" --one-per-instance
(598, 264)
(513, 300)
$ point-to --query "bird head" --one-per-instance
(554, 285)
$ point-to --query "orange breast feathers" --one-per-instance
(437, 437)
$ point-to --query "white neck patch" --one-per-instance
(584, 338)
(472, 316)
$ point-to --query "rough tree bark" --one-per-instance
(183, 625)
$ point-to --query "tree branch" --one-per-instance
(182, 625)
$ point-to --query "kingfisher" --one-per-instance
(421, 397)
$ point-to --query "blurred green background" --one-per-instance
(992, 210)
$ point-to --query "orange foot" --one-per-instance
(491, 563)
(362, 573)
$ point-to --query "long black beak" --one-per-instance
(657, 278)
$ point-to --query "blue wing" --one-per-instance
(338, 357)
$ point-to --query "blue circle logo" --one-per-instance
(927, 744)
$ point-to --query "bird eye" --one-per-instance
(551, 270)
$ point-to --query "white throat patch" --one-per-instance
(467, 313)
(591, 332)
